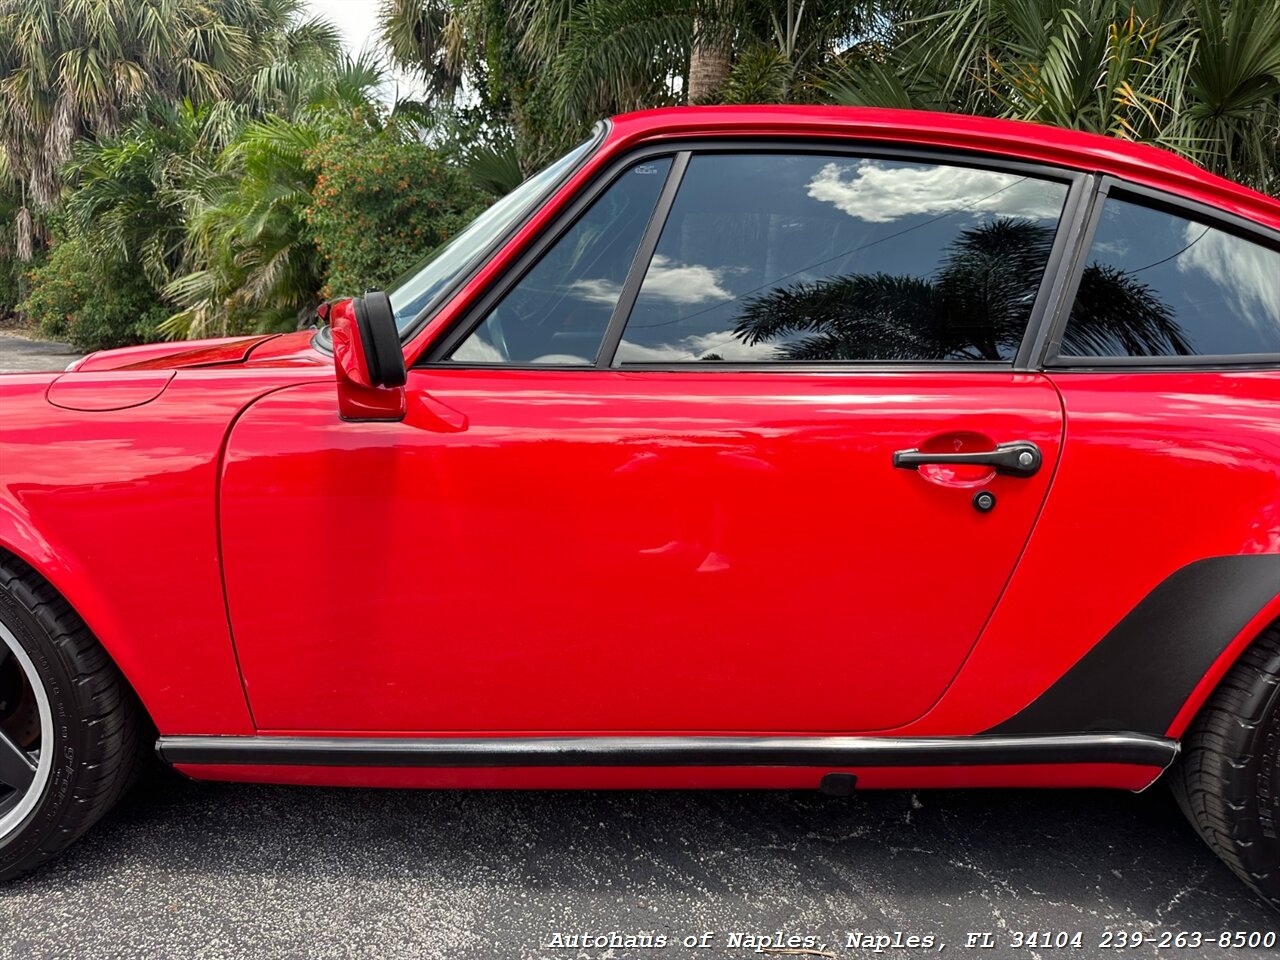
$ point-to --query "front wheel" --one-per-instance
(1228, 778)
(70, 727)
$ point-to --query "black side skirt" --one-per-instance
(673, 751)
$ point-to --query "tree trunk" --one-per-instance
(708, 65)
(23, 229)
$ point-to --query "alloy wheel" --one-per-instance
(26, 729)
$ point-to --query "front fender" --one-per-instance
(117, 509)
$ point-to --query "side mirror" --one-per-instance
(368, 359)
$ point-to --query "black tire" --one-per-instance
(98, 742)
(1228, 778)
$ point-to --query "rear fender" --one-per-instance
(1268, 615)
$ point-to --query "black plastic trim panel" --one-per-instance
(1141, 673)
(669, 751)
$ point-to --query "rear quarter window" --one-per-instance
(1160, 284)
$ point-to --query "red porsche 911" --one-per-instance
(740, 447)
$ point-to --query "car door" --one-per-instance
(702, 461)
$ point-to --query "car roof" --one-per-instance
(1038, 143)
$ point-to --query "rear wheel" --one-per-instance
(1228, 778)
(70, 728)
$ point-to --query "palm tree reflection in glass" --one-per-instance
(975, 307)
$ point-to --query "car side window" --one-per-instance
(818, 258)
(1157, 284)
(557, 312)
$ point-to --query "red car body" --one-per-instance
(293, 594)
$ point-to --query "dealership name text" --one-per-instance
(757, 942)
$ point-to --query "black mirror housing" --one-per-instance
(380, 338)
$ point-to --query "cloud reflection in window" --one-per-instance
(1247, 273)
(876, 192)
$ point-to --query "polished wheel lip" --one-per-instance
(44, 765)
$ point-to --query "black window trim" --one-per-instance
(1080, 185)
(1249, 230)
(437, 355)
(640, 261)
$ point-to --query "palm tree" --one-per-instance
(71, 68)
(132, 189)
(434, 38)
(248, 257)
(976, 307)
(713, 50)
(1199, 77)
(549, 68)
(505, 121)
(291, 54)
(67, 68)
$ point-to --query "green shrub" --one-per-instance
(379, 206)
(93, 303)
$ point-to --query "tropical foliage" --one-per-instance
(544, 70)
(95, 304)
(202, 196)
(71, 68)
(1200, 77)
(375, 209)
(196, 167)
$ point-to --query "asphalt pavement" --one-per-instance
(184, 869)
(22, 354)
